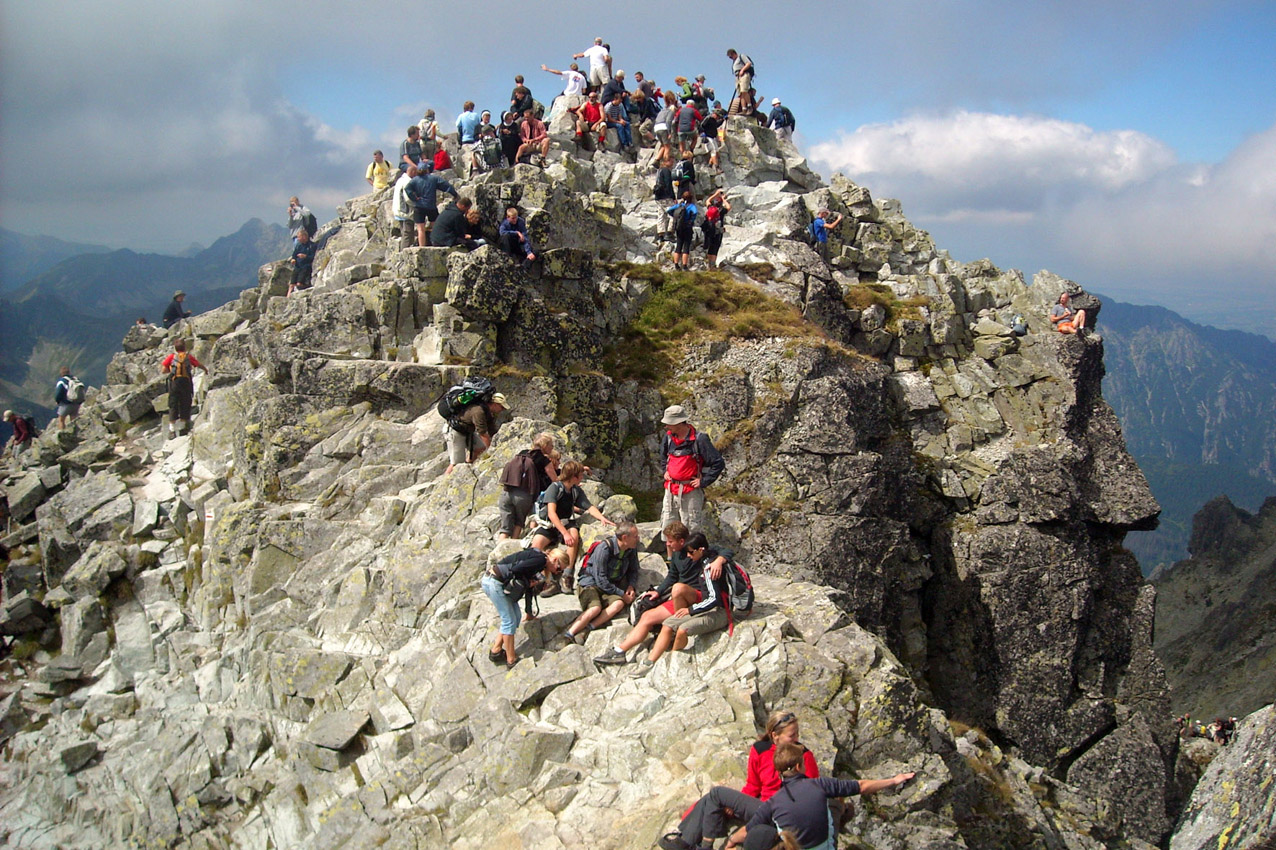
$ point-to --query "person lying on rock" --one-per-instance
(708, 818)
(559, 506)
(691, 562)
(607, 581)
(516, 577)
(711, 614)
(1065, 319)
(800, 806)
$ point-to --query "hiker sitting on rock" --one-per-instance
(176, 310)
(469, 434)
(556, 515)
(1064, 319)
(710, 614)
(800, 807)
(684, 585)
(691, 463)
(514, 238)
(526, 476)
(517, 577)
(535, 138)
(708, 818)
(607, 581)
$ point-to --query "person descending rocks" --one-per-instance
(714, 227)
(68, 395)
(470, 432)
(800, 806)
(691, 463)
(608, 576)
(528, 474)
(517, 578)
(179, 366)
(687, 122)
(23, 434)
(684, 215)
(556, 513)
(709, 817)
(423, 192)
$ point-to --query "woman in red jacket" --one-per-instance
(707, 819)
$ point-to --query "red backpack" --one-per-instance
(442, 161)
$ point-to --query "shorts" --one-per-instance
(744, 82)
(514, 505)
(552, 533)
(591, 597)
(599, 76)
(423, 214)
(668, 606)
(711, 144)
(1066, 328)
(688, 139)
(662, 133)
(712, 242)
(71, 408)
(700, 624)
(459, 444)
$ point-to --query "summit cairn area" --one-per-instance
(270, 631)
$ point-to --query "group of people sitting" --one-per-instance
(1220, 731)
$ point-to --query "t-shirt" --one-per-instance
(411, 148)
(616, 112)
(565, 501)
(1060, 310)
(575, 83)
(740, 61)
(379, 174)
(476, 416)
(467, 125)
(597, 56)
(167, 362)
(821, 231)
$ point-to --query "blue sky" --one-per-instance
(1130, 146)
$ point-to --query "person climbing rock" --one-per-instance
(517, 577)
(556, 514)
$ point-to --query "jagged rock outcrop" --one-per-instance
(1216, 611)
(1234, 804)
(270, 632)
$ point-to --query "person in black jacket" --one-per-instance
(452, 228)
(711, 614)
(517, 577)
(800, 807)
(176, 310)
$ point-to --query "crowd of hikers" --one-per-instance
(1220, 731)
(784, 802)
(597, 103)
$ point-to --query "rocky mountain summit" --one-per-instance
(1216, 613)
(270, 632)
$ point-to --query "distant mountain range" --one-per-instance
(24, 257)
(1198, 407)
(77, 308)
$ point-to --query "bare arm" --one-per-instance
(552, 71)
(872, 786)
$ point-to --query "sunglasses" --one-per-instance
(784, 720)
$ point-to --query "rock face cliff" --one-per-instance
(1216, 613)
(270, 633)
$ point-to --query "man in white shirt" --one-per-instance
(599, 64)
(573, 79)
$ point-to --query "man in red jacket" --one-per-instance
(691, 463)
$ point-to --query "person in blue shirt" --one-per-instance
(303, 261)
(684, 220)
(820, 228)
(514, 238)
(781, 120)
(423, 191)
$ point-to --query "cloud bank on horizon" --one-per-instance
(1108, 144)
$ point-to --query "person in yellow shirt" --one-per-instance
(378, 175)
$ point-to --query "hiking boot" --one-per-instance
(611, 656)
(674, 841)
(644, 667)
(580, 637)
(568, 580)
(551, 589)
(497, 657)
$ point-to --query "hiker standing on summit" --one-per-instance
(599, 67)
(742, 68)
(691, 463)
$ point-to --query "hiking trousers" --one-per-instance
(707, 818)
(687, 508)
(181, 392)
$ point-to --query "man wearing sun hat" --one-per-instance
(781, 120)
(477, 425)
(691, 463)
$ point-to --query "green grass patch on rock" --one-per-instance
(695, 307)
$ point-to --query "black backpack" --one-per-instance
(308, 222)
(739, 589)
(679, 215)
(471, 391)
(30, 420)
